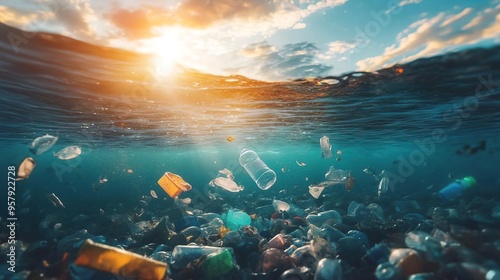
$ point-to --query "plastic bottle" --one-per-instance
(217, 264)
(183, 254)
(262, 175)
(455, 189)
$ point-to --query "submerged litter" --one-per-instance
(227, 182)
(383, 186)
(153, 194)
(55, 200)
(42, 144)
(281, 206)
(25, 168)
(119, 262)
(173, 184)
(326, 148)
(337, 175)
(227, 172)
(300, 163)
(69, 152)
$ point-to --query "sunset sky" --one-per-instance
(266, 39)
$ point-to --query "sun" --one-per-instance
(167, 51)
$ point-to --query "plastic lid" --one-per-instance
(469, 181)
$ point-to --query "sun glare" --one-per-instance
(167, 51)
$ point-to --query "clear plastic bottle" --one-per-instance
(262, 175)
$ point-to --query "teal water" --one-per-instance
(123, 116)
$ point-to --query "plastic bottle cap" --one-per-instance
(469, 182)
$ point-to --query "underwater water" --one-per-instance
(426, 123)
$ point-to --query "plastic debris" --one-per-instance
(281, 206)
(55, 200)
(236, 219)
(333, 176)
(383, 186)
(261, 174)
(182, 255)
(42, 144)
(370, 171)
(217, 264)
(350, 182)
(321, 217)
(456, 189)
(69, 152)
(339, 155)
(119, 262)
(227, 182)
(316, 190)
(25, 168)
(173, 184)
(336, 175)
(227, 172)
(326, 148)
(153, 193)
(300, 163)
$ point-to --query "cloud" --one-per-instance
(230, 18)
(73, 16)
(435, 35)
(258, 49)
(139, 24)
(408, 2)
(22, 18)
(299, 25)
(291, 61)
(338, 47)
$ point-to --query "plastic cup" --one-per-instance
(173, 184)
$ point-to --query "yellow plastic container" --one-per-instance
(173, 184)
(120, 262)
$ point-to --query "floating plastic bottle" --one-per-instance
(120, 262)
(455, 189)
(173, 184)
(262, 175)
